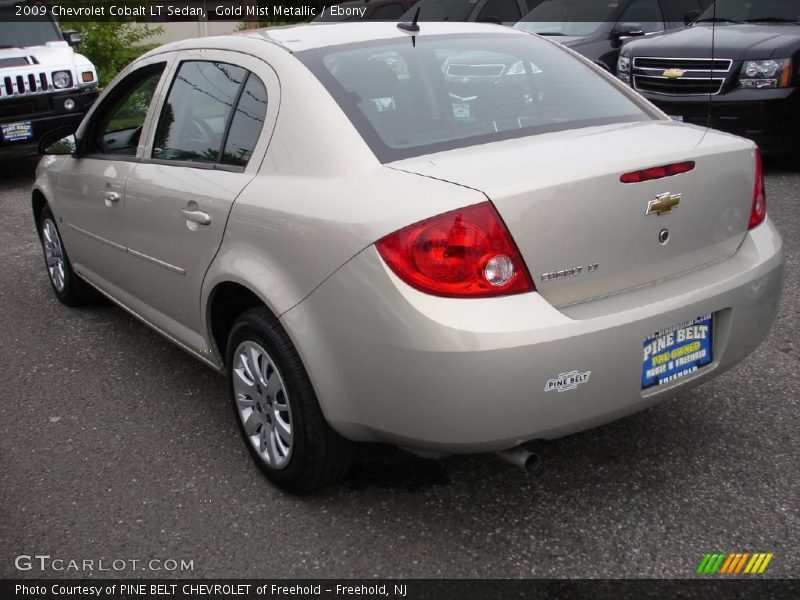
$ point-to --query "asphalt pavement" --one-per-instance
(117, 446)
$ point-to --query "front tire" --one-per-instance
(68, 287)
(277, 410)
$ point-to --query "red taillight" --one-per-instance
(758, 212)
(466, 253)
(657, 172)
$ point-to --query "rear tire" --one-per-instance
(279, 416)
(69, 288)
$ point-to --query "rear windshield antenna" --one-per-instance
(412, 27)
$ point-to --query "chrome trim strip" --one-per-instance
(130, 251)
(673, 59)
(155, 261)
(662, 69)
(676, 91)
(94, 236)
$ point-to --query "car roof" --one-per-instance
(297, 38)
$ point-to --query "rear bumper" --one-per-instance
(394, 365)
(45, 112)
(771, 118)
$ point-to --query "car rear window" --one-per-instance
(449, 91)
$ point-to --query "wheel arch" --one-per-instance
(227, 300)
(38, 202)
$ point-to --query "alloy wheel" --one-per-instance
(54, 255)
(262, 404)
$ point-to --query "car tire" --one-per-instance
(279, 417)
(69, 288)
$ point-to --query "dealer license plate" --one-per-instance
(15, 132)
(677, 351)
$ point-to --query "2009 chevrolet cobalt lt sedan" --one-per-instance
(459, 238)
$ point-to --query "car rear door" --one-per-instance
(91, 199)
(206, 144)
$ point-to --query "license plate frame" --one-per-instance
(678, 351)
(16, 132)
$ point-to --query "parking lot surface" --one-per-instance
(116, 445)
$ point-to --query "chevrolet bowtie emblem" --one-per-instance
(663, 204)
(673, 73)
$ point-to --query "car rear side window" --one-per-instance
(247, 123)
(195, 116)
(451, 91)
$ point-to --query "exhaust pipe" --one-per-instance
(522, 458)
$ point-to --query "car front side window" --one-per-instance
(118, 124)
(197, 111)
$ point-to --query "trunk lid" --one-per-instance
(562, 199)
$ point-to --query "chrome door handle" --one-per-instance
(196, 216)
(110, 196)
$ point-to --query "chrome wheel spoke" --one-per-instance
(282, 447)
(256, 362)
(247, 369)
(272, 454)
(243, 379)
(243, 401)
(283, 430)
(266, 371)
(252, 423)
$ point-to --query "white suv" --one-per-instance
(44, 83)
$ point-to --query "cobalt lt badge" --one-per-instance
(663, 204)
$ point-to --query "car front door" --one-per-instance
(92, 185)
(205, 146)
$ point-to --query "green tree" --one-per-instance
(111, 45)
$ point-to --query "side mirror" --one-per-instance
(691, 16)
(59, 142)
(73, 38)
(626, 30)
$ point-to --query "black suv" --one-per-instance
(598, 29)
(748, 84)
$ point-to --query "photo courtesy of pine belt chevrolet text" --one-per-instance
(449, 237)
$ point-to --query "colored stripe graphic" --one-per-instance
(711, 563)
(741, 562)
(727, 564)
(703, 563)
(733, 564)
(766, 562)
